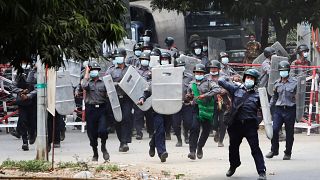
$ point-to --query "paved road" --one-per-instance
(304, 164)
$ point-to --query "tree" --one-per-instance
(284, 14)
(51, 28)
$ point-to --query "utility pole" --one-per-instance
(41, 112)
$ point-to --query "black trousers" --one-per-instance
(96, 123)
(247, 129)
(27, 122)
(59, 124)
(124, 128)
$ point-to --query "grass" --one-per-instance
(107, 168)
(27, 166)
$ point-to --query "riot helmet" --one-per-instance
(179, 62)
(269, 51)
(169, 41)
(253, 73)
(165, 58)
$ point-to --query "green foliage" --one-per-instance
(107, 168)
(179, 176)
(28, 166)
(52, 28)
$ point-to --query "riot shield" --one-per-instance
(65, 103)
(113, 97)
(154, 61)
(215, 46)
(167, 89)
(190, 62)
(279, 50)
(267, 119)
(301, 95)
(274, 74)
(75, 71)
(133, 84)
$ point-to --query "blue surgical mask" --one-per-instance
(146, 39)
(214, 73)
(284, 74)
(205, 48)
(164, 62)
(305, 55)
(199, 77)
(225, 60)
(119, 60)
(147, 51)
(137, 53)
(94, 73)
(144, 63)
(249, 83)
(197, 51)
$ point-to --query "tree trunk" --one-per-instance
(264, 32)
(281, 32)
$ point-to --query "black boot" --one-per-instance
(192, 155)
(104, 151)
(231, 171)
(186, 137)
(199, 153)
(179, 143)
(271, 154)
(95, 154)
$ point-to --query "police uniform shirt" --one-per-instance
(117, 75)
(284, 93)
(145, 72)
(205, 87)
(265, 71)
(96, 92)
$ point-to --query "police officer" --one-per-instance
(147, 47)
(170, 45)
(266, 66)
(27, 104)
(303, 52)
(222, 103)
(244, 121)
(165, 59)
(197, 52)
(226, 70)
(96, 102)
(185, 114)
(139, 115)
(158, 140)
(134, 60)
(123, 128)
(285, 110)
(146, 37)
(200, 92)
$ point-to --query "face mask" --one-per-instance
(197, 51)
(119, 60)
(199, 77)
(137, 53)
(164, 62)
(144, 62)
(214, 73)
(94, 73)
(305, 55)
(205, 48)
(225, 60)
(25, 66)
(155, 57)
(114, 62)
(146, 39)
(284, 74)
(147, 51)
(249, 83)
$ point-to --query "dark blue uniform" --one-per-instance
(96, 103)
(185, 114)
(284, 113)
(123, 128)
(138, 113)
(245, 124)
